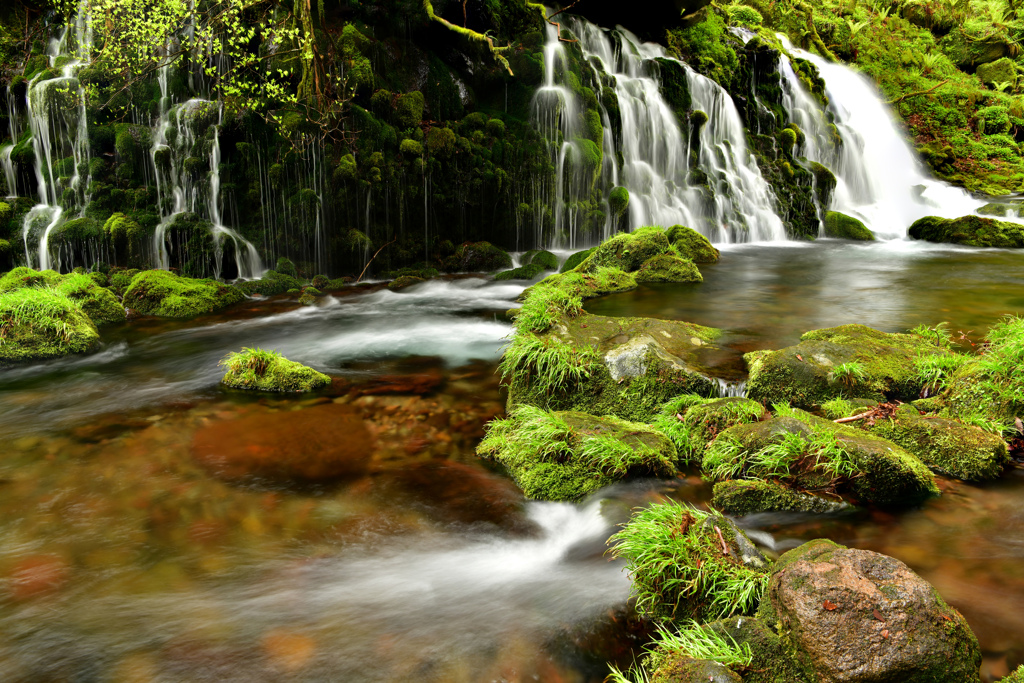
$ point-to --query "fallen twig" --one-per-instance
(725, 548)
(854, 418)
(374, 256)
(915, 94)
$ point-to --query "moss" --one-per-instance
(973, 231)
(994, 120)
(576, 259)
(842, 226)
(691, 244)
(668, 268)
(76, 230)
(310, 296)
(1000, 71)
(744, 15)
(544, 259)
(161, 293)
(441, 142)
(27, 277)
(692, 422)
(990, 386)
(404, 281)
(270, 284)
(569, 455)
(286, 267)
(96, 302)
(38, 323)
(814, 454)
(527, 272)
(627, 251)
(1016, 676)
(259, 370)
(618, 201)
(411, 148)
(773, 661)
(749, 496)
(477, 257)
(947, 446)
(804, 375)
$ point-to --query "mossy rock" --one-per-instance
(527, 272)
(477, 257)
(877, 365)
(39, 323)
(841, 226)
(678, 668)
(692, 245)
(869, 469)
(1000, 71)
(739, 497)
(270, 284)
(76, 230)
(946, 446)
(27, 277)
(996, 209)
(568, 455)
(286, 267)
(1016, 676)
(161, 293)
(628, 367)
(576, 259)
(668, 268)
(310, 296)
(404, 281)
(544, 259)
(692, 422)
(772, 660)
(618, 201)
(973, 231)
(97, 302)
(259, 370)
(627, 251)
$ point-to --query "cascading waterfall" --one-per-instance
(736, 204)
(879, 179)
(57, 119)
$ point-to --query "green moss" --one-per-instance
(841, 226)
(998, 72)
(411, 148)
(972, 231)
(691, 244)
(993, 120)
(568, 455)
(545, 259)
(161, 293)
(270, 284)
(310, 296)
(286, 267)
(477, 257)
(1016, 676)
(527, 272)
(38, 323)
(259, 370)
(741, 497)
(675, 560)
(668, 268)
(441, 142)
(744, 15)
(75, 230)
(692, 422)
(98, 303)
(27, 277)
(618, 201)
(990, 387)
(627, 251)
(405, 281)
(805, 375)
(576, 259)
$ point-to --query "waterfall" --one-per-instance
(735, 203)
(879, 178)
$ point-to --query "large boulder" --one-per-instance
(477, 257)
(568, 455)
(41, 323)
(973, 231)
(691, 244)
(812, 453)
(739, 497)
(856, 616)
(162, 293)
(668, 268)
(841, 226)
(851, 361)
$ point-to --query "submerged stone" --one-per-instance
(852, 361)
(741, 497)
(312, 444)
(973, 231)
(162, 293)
(844, 227)
(568, 455)
(854, 615)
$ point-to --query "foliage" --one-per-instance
(262, 370)
(39, 322)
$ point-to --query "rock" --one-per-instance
(947, 446)
(628, 367)
(820, 455)
(39, 324)
(627, 251)
(310, 296)
(404, 281)
(324, 442)
(527, 272)
(1001, 210)
(259, 370)
(568, 455)
(741, 497)
(270, 284)
(285, 267)
(681, 669)
(852, 361)
(692, 245)
(970, 51)
(575, 260)
(702, 420)
(973, 231)
(841, 226)
(668, 268)
(771, 660)
(162, 293)
(544, 260)
(97, 302)
(477, 257)
(1000, 71)
(856, 616)
(618, 201)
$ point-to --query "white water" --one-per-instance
(655, 149)
(879, 178)
(10, 173)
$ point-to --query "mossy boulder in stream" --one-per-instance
(161, 293)
(627, 251)
(692, 245)
(947, 446)
(568, 455)
(972, 231)
(846, 361)
(38, 323)
(856, 615)
(692, 421)
(576, 259)
(260, 370)
(272, 283)
(668, 268)
(527, 272)
(810, 453)
(844, 227)
(97, 302)
(404, 281)
(477, 257)
(740, 497)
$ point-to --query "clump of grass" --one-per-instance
(257, 361)
(264, 370)
(678, 568)
(939, 334)
(848, 374)
(837, 408)
(551, 361)
(936, 370)
(697, 641)
(42, 311)
(692, 421)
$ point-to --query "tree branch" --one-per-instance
(472, 35)
(915, 94)
(374, 256)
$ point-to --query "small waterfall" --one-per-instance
(879, 178)
(735, 203)
(250, 267)
(731, 388)
(10, 173)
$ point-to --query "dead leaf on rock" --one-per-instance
(877, 615)
(1019, 425)
(830, 606)
(885, 633)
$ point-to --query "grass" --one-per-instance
(848, 374)
(553, 362)
(41, 311)
(988, 390)
(702, 420)
(935, 371)
(257, 361)
(262, 370)
(697, 641)
(675, 560)
(940, 334)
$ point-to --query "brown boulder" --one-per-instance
(856, 616)
(323, 442)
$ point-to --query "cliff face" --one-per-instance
(358, 124)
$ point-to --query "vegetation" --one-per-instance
(973, 231)
(38, 323)
(158, 292)
(261, 370)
